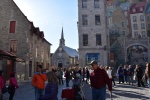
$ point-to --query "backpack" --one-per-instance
(4, 89)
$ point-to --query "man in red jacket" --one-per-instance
(99, 79)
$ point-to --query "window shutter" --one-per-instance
(12, 26)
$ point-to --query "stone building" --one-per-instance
(20, 36)
(64, 56)
(92, 32)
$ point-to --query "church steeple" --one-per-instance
(62, 40)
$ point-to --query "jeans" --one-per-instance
(61, 81)
(99, 94)
(126, 78)
(38, 93)
(11, 95)
(121, 78)
(130, 79)
(140, 82)
(67, 82)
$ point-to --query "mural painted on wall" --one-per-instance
(137, 54)
(92, 56)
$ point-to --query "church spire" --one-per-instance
(62, 40)
(62, 34)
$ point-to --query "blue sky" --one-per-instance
(50, 16)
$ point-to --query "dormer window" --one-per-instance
(126, 8)
(141, 9)
(133, 10)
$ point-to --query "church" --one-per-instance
(64, 56)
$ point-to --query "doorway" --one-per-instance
(30, 68)
(60, 65)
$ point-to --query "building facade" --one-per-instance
(64, 56)
(20, 36)
(133, 48)
(92, 32)
(138, 22)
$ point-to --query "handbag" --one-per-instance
(4, 89)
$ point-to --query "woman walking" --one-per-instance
(12, 86)
(1, 84)
(51, 89)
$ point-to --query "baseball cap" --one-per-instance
(93, 62)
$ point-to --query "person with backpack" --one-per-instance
(1, 84)
(38, 82)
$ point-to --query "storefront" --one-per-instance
(92, 56)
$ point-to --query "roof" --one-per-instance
(6, 53)
(147, 9)
(125, 5)
(110, 11)
(71, 52)
(137, 7)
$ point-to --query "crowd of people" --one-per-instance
(99, 77)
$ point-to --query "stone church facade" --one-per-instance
(64, 56)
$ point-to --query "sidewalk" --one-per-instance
(120, 92)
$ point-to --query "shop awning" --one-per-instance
(6, 53)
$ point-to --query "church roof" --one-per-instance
(71, 52)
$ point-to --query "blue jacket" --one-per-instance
(120, 72)
(51, 92)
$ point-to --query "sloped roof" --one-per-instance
(125, 6)
(147, 9)
(71, 52)
(110, 11)
(137, 7)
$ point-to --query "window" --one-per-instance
(135, 26)
(96, 3)
(125, 13)
(143, 33)
(135, 34)
(133, 10)
(85, 39)
(12, 27)
(134, 19)
(84, 3)
(31, 46)
(98, 39)
(123, 24)
(13, 46)
(142, 18)
(142, 26)
(36, 54)
(149, 25)
(84, 20)
(123, 33)
(97, 19)
(148, 18)
(141, 9)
